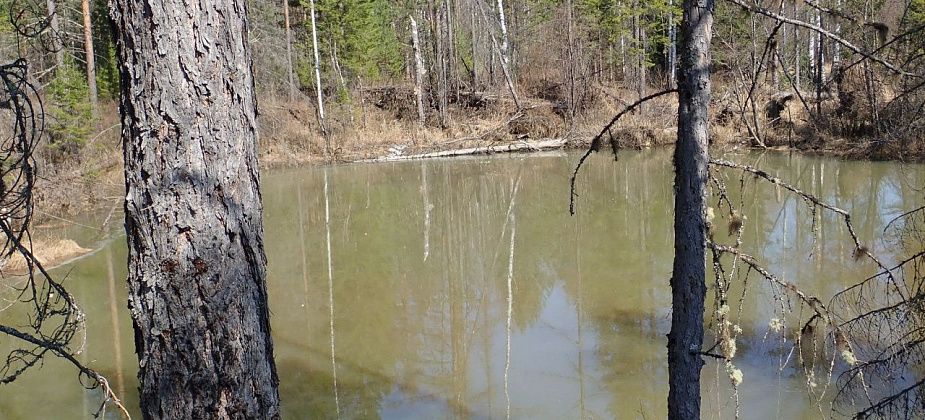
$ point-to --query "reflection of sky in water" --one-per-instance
(420, 338)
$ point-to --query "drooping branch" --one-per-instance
(812, 301)
(596, 142)
(860, 249)
(52, 319)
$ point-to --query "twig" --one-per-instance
(860, 249)
(596, 143)
(762, 11)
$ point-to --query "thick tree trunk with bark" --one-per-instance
(193, 215)
(91, 59)
(691, 158)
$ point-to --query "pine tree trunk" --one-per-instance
(193, 214)
(691, 158)
(91, 59)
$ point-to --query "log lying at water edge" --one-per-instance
(518, 146)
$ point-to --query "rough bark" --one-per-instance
(193, 214)
(91, 59)
(691, 158)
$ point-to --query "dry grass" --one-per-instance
(48, 252)
(380, 121)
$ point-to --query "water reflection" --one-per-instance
(462, 288)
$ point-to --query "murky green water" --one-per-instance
(423, 321)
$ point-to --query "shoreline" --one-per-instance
(523, 147)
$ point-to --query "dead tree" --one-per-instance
(691, 158)
(419, 70)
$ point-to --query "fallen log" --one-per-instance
(518, 146)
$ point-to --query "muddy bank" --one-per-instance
(48, 252)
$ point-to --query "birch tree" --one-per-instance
(418, 71)
(317, 63)
(505, 42)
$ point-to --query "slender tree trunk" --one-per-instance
(672, 48)
(452, 62)
(570, 69)
(508, 78)
(505, 42)
(691, 158)
(55, 26)
(819, 61)
(418, 71)
(623, 67)
(772, 67)
(796, 50)
(91, 61)
(442, 59)
(475, 62)
(193, 213)
(643, 47)
(318, 89)
(293, 89)
(335, 64)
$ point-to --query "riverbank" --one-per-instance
(380, 126)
